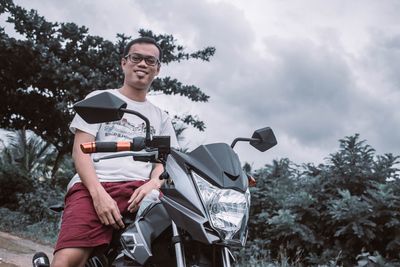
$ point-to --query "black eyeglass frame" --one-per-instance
(143, 57)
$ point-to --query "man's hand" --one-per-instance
(107, 210)
(140, 193)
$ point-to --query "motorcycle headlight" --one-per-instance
(228, 209)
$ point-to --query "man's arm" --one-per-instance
(106, 207)
(142, 191)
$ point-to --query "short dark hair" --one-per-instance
(147, 40)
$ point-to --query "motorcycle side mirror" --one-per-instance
(263, 139)
(105, 107)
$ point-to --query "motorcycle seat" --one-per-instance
(59, 207)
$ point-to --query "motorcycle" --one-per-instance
(203, 208)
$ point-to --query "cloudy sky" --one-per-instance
(313, 70)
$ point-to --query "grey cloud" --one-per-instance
(311, 91)
(384, 56)
(379, 64)
(305, 91)
(100, 17)
(204, 20)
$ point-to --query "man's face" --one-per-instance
(140, 75)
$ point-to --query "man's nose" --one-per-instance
(142, 62)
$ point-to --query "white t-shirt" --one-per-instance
(124, 168)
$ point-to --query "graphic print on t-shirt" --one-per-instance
(125, 129)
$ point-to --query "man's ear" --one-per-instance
(123, 61)
(158, 68)
(123, 64)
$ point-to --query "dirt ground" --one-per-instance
(16, 251)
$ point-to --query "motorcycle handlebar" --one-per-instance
(94, 147)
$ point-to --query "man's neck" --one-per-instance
(133, 93)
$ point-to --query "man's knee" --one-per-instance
(71, 257)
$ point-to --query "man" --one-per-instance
(100, 192)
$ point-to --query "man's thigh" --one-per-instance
(80, 225)
(71, 257)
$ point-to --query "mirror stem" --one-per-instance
(146, 120)
(243, 139)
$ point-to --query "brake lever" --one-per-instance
(126, 154)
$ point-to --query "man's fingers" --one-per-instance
(133, 208)
(114, 216)
(120, 223)
(134, 195)
(111, 221)
(104, 220)
(135, 198)
(139, 197)
(135, 203)
(118, 219)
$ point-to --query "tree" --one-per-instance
(30, 154)
(54, 65)
(331, 212)
(360, 210)
(24, 163)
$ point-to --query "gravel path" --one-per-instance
(16, 251)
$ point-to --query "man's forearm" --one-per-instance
(87, 174)
(155, 175)
(84, 164)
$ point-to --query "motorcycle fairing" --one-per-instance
(181, 188)
(137, 239)
(191, 222)
(183, 204)
(217, 163)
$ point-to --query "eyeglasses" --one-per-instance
(136, 58)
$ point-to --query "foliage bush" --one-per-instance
(13, 182)
(345, 212)
(329, 214)
(21, 224)
(27, 188)
(37, 202)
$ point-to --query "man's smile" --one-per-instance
(140, 73)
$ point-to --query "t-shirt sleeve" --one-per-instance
(79, 123)
(168, 129)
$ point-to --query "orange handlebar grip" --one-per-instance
(252, 181)
(89, 147)
(123, 146)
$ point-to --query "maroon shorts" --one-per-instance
(80, 225)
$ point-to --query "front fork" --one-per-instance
(180, 253)
(226, 257)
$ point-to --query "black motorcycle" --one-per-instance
(203, 210)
